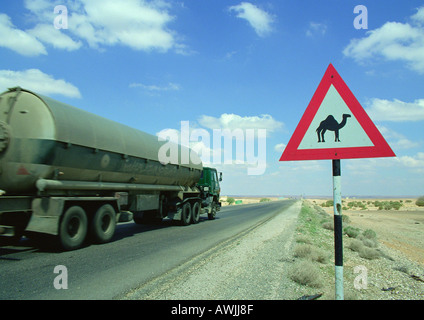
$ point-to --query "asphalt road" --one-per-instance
(136, 255)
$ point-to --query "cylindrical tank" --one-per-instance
(41, 138)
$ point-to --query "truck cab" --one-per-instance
(210, 188)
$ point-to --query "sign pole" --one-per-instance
(338, 229)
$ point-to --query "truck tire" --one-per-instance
(73, 228)
(212, 214)
(195, 213)
(186, 214)
(102, 227)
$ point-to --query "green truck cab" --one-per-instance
(210, 189)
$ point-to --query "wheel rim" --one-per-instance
(73, 227)
(105, 224)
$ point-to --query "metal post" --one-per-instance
(338, 229)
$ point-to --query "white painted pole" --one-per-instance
(338, 229)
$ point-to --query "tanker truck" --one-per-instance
(72, 174)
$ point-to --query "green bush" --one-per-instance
(231, 201)
(388, 205)
(358, 204)
(264, 200)
(352, 232)
(420, 201)
(328, 203)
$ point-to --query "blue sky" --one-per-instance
(232, 64)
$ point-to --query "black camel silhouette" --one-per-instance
(331, 124)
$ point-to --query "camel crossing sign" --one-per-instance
(335, 126)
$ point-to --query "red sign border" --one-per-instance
(331, 77)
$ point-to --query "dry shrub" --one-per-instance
(329, 225)
(371, 243)
(363, 250)
(303, 251)
(355, 245)
(307, 251)
(369, 234)
(306, 273)
(369, 253)
(303, 239)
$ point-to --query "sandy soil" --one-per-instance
(402, 230)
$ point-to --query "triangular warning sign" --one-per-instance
(335, 126)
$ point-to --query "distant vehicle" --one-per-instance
(72, 174)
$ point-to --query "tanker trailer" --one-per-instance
(73, 174)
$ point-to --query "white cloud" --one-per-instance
(54, 37)
(18, 40)
(316, 29)
(259, 19)
(280, 147)
(419, 16)
(415, 162)
(233, 121)
(36, 80)
(137, 24)
(396, 140)
(394, 41)
(151, 87)
(396, 110)
(371, 166)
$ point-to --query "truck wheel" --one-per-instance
(103, 225)
(195, 213)
(186, 214)
(73, 228)
(211, 216)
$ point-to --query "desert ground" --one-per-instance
(401, 230)
(395, 273)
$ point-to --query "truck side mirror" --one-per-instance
(220, 176)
